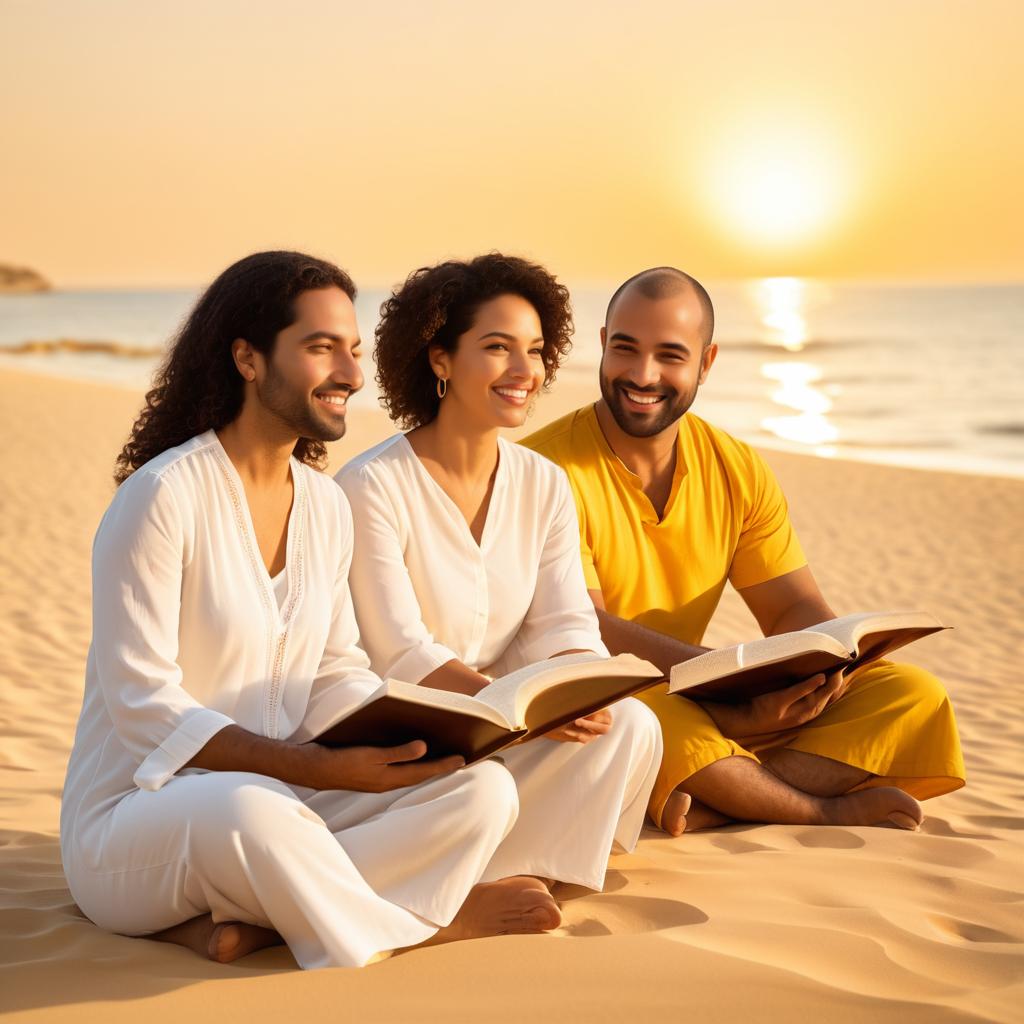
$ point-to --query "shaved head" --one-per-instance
(665, 283)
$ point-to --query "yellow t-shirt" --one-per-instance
(726, 519)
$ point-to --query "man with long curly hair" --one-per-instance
(196, 810)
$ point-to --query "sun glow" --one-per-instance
(776, 185)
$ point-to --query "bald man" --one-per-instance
(670, 508)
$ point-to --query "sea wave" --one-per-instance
(1001, 429)
(772, 345)
(64, 346)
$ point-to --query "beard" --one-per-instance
(296, 409)
(672, 407)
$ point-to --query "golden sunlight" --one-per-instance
(776, 185)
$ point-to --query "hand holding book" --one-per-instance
(778, 710)
(765, 685)
(582, 730)
(772, 663)
(531, 702)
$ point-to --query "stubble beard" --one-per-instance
(296, 409)
(673, 408)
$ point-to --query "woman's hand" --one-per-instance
(582, 730)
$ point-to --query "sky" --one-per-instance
(151, 144)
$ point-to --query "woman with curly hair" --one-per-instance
(195, 810)
(466, 562)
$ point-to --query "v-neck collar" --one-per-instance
(446, 498)
(279, 615)
(650, 515)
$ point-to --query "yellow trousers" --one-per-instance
(895, 721)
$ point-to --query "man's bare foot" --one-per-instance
(881, 805)
(701, 816)
(520, 905)
(233, 939)
(673, 817)
(221, 942)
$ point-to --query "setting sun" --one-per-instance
(776, 185)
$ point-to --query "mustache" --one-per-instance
(621, 385)
(331, 389)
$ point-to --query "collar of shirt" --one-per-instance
(631, 481)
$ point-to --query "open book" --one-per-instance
(775, 662)
(522, 704)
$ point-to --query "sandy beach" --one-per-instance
(745, 922)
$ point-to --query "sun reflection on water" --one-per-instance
(781, 302)
(782, 307)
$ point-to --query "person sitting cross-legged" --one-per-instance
(196, 809)
(670, 508)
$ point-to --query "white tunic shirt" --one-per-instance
(188, 634)
(426, 592)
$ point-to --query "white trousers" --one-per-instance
(576, 799)
(341, 876)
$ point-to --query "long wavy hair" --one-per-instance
(198, 387)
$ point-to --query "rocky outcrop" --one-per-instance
(18, 280)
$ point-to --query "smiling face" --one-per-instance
(496, 368)
(314, 366)
(653, 360)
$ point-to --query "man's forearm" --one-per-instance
(624, 637)
(804, 613)
(235, 749)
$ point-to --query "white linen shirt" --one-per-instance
(425, 592)
(188, 636)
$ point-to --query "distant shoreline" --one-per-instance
(865, 376)
(569, 395)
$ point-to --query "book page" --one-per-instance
(766, 677)
(501, 694)
(727, 662)
(576, 698)
(515, 694)
(870, 635)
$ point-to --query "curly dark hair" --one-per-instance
(437, 304)
(198, 387)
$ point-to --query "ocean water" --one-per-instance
(925, 376)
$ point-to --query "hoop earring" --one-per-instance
(442, 387)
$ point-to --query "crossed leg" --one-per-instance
(512, 906)
(791, 787)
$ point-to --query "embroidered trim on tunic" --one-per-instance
(296, 580)
(277, 639)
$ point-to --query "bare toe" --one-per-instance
(902, 820)
(530, 908)
(673, 818)
(517, 905)
(231, 940)
(531, 920)
(877, 805)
